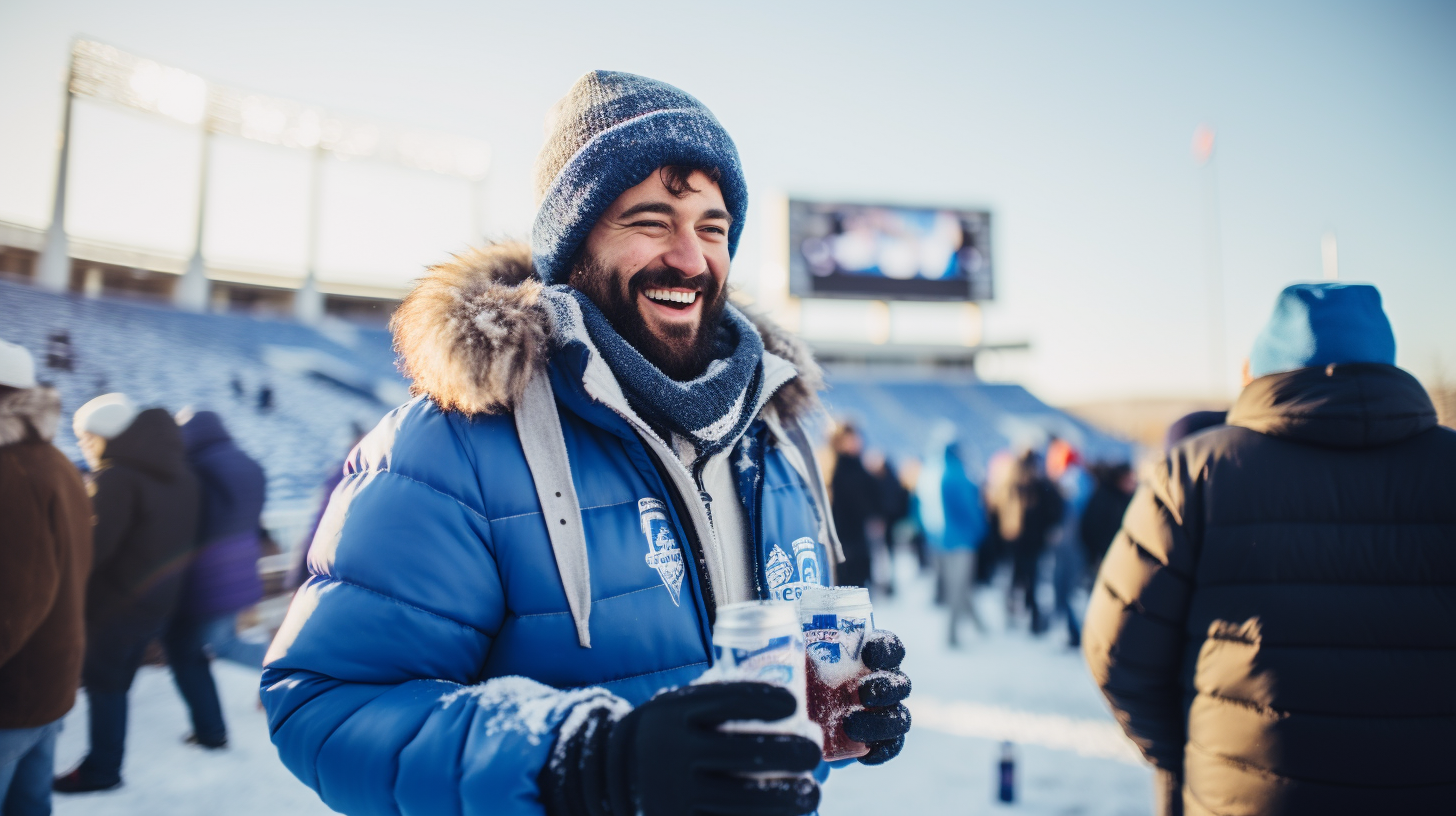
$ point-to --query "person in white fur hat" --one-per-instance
(146, 503)
(45, 557)
(99, 420)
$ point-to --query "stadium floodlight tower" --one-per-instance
(106, 73)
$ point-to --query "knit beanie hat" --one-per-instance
(17, 367)
(606, 136)
(1316, 324)
(106, 416)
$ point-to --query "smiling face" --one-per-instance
(656, 264)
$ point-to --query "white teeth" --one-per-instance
(671, 296)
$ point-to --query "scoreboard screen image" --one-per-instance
(889, 252)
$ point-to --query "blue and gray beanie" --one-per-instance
(1316, 324)
(608, 134)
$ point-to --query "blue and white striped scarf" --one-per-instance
(711, 411)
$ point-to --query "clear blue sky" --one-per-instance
(1071, 121)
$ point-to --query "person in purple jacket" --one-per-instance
(223, 578)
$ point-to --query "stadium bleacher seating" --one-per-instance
(164, 357)
(327, 380)
(897, 413)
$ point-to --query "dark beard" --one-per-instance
(680, 356)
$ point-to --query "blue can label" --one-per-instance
(776, 661)
(829, 638)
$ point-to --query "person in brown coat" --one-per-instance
(1275, 624)
(45, 557)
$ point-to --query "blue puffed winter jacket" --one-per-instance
(965, 515)
(428, 662)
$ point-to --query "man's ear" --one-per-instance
(1244, 371)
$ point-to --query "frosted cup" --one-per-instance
(835, 621)
(762, 641)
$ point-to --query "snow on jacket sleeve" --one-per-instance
(1134, 635)
(371, 684)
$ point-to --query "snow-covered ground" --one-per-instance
(1071, 756)
(164, 777)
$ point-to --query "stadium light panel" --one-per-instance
(103, 72)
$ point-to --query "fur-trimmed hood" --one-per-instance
(29, 413)
(474, 330)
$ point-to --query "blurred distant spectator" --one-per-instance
(45, 557)
(298, 570)
(1064, 468)
(265, 398)
(894, 508)
(236, 383)
(223, 576)
(145, 501)
(854, 501)
(1026, 508)
(1443, 394)
(1273, 627)
(909, 534)
(894, 496)
(1102, 517)
(959, 534)
(58, 351)
(994, 550)
(1190, 424)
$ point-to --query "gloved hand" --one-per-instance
(668, 758)
(884, 720)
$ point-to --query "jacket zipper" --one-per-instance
(702, 523)
(668, 464)
(758, 539)
(703, 495)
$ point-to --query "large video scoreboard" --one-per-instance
(845, 250)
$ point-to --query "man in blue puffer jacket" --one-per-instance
(516, 581)
(965, 528)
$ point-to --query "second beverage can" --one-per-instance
(835, 622)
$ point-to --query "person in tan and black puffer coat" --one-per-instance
(45, 556)
(1275, 624)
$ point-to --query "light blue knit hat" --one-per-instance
(608, 134)
(1315, 324)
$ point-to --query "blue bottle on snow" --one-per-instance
(1007, 792)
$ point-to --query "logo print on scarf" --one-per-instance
(663, 552)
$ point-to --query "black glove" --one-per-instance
(668, 758)
(884, 720)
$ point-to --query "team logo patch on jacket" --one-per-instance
(663, 552)
(807, 558)
(779, 570)
(787, 576)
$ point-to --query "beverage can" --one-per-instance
(1006, 774)
(762, 641)
(835, 622)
